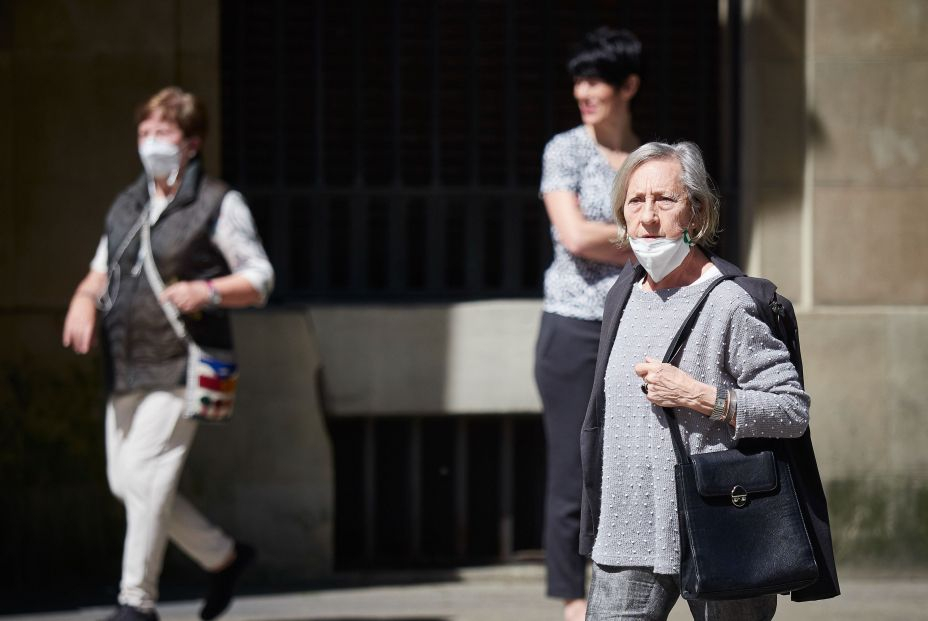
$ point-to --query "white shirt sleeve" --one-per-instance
(237, 239)
(101, 257)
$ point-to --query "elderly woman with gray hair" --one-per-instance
(733, 380)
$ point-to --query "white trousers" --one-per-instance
(147, 441)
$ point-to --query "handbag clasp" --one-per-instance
(739, 496)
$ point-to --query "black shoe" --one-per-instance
(222, 583)
(129, 613)
(114, 616)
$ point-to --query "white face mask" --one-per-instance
(160, 158)
(658, 255)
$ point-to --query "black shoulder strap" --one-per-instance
(676, 345)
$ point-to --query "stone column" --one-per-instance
(839, 168)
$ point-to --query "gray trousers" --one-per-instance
(638, 593)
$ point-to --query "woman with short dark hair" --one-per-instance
(578, 170)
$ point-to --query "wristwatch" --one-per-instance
(215, 299)
(719, 410)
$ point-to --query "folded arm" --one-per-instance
(596, 241)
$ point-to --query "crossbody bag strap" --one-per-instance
(106, 302)
(124, 244)
(683, 456)
(157, 284)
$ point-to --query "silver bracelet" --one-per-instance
(732, 409)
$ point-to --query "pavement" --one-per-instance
(512, 593)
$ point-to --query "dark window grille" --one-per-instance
(437, 490)
(391, 150)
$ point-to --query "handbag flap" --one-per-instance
(718, 473)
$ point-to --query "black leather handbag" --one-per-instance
(742, 532)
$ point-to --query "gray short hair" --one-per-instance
(700, 194)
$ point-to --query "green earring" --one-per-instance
(686, 237)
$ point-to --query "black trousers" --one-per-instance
(565, 361)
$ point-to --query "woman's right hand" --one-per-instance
(81, 319)
(79, 324)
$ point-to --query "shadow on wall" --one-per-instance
(267, 476)
(382, 360)
(880, 522)
(779, 128)
(60, 525)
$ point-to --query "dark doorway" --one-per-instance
(437, 490)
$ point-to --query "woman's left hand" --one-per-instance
(188, 296)
(669, 387)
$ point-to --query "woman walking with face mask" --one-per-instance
(205, 246)
(579, 166)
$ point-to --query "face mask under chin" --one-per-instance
(660, 256)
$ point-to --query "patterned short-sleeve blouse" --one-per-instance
(574, 286)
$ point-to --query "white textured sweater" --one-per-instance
(729, 347)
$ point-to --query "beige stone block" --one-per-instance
(473, 357)
(775, 29)
(381, 359)
(874, 123)
(847, 362)
(776, 116)
(7, 219)
(869, 29)
(51, 259)
(864, 371)
(869, 246)
(491, 347)
(6, 27)
(198, 28)
(76, 115)
(904, 412)
(88, 28)
(777, 216)
(74, 141)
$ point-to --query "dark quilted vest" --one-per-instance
(140, 347)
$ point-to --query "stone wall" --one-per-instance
(835, 169)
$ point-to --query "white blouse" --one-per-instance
(235, 236)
